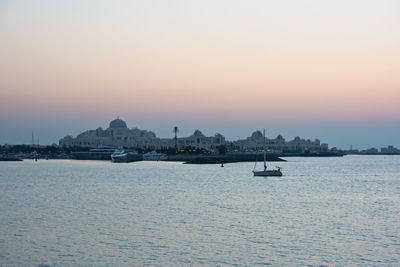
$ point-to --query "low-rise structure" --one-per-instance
(278, 145)
(199, 140)
(390, 150)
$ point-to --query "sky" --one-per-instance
(310, 68)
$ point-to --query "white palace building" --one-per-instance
(119, 135)
(277, 145)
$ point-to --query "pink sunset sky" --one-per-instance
(318, 69)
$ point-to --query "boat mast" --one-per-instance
(265, 153)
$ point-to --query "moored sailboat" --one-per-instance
(266, 172)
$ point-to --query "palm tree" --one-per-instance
(176, 130)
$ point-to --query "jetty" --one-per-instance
(218, 159)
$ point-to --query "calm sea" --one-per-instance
(323, 211)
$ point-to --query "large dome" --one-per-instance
(117, 123)
(257, 135)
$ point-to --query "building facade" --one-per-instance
(277, 145)
(200, 141)
(119, 135)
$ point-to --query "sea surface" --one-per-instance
(341, 211)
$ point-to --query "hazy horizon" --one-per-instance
(315, 69)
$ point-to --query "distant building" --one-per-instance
(199, 140)
(390, 150)
(256, 142)
(119, 135)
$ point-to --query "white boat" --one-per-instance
(266, 172)
(153, 155)
(123, 156)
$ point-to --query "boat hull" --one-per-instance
(127, 158)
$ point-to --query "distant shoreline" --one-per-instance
(205, 158)
(218, 159)
(243, 157)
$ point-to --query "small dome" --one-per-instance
(197, 132)
(117, 123)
